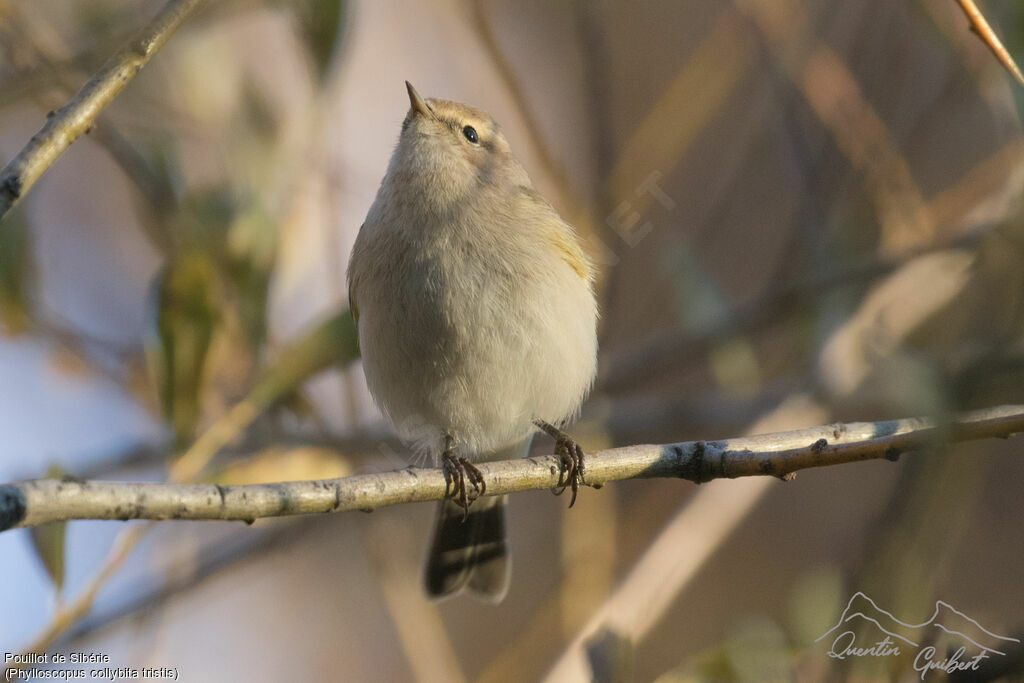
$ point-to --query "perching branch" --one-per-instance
(67, 123)
(37, 501)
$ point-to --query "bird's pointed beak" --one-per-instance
(418, 104)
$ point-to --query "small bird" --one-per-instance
(477, 324)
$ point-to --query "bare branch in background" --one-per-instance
(75, 118)
(45, 500)
(980, 26)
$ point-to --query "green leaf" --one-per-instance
(16, 272)
(184, 310)
(202, 219)
(259, 115)
(322, 23)
(158, 175)
(48, 542)
(251, 250)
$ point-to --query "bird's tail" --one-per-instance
(470, 550)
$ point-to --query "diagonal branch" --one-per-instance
(66, 124)
(981, 27)
(37, 501)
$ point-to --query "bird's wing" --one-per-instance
(351, 291)
(353, 308)
(559, 234)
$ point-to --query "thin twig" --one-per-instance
(75, 118)
(37, 501)
(133, 166)
(225, 428)
(981, 27)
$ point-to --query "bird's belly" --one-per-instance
(466, 354)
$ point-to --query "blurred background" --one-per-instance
(803, 212)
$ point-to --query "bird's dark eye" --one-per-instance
(470, 133)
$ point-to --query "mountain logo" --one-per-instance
(897, 638)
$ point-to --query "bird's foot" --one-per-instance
(456, 471)
(573, 470)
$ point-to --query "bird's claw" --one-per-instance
(456, 471)
(572, 471)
